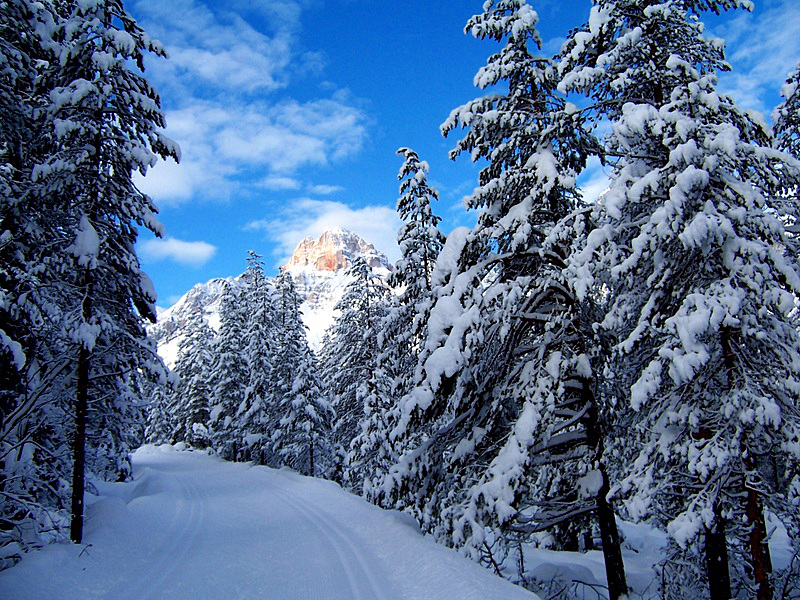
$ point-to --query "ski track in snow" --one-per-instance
(191, 526)
(356, 566)
(190, 520)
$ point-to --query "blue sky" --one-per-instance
(289, 113)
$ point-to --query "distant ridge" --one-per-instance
(318, 268)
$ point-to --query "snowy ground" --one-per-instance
(192, 526)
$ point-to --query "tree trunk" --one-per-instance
(79, 448)
(81, 409)
(311, 458)
(719, 578)
(609, 534)
(760, 559)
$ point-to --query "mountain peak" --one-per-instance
(335, 250)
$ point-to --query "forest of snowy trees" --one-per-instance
(528, 381)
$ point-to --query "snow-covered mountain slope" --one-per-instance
(318, 269)
(193, 526)
(171, 326)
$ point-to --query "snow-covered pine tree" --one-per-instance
(787, 115)
(420, 242)
(305, 414)
(256, 417)
(349, 356)
(229, 371)
(159, 424)
(689, 248)
(105, 120)
(505, 385)
(191, 402)
(29, 452)
(401, 331)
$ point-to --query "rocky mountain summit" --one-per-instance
(318, 268)
(334, 250)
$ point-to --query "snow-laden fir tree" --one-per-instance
(159, 425)
(29, 454)
(105, 121)
(349, 358)
(504, 387)
(256, 416)
(420, 242)
(229, 371)
(689, 246)
(401, 331)
(190, 406)
(301, 438)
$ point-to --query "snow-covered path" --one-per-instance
(192, 526)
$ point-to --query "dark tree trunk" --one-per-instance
(311, 458)
(609, 534)
(719, 578)
(81, 410)
(760, 559)
(79, 448)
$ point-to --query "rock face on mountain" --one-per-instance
(334, 251)
(318, 269)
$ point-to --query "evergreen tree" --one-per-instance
(105, 121)
(688, 246)
(29, 450)
(191, 401)
(401, 332)
(306, 416)
(229, 371)
(159, 424)
(420, 242)
(504, 387)
(349, 354)
(787, 115)
(256, 417)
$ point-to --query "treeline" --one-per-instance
(529, 379)
(250, 391)
(77, 119)
(638, 356)
(566, 363)
(561, 364)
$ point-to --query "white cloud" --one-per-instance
(766, 47)
(229, 104)
(280, 183)
(219, 49)
(194, 254)
(324, 190)
(221, 146)
(307, 217)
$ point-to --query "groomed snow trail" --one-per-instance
(191, 526)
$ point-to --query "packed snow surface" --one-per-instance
(193, 526)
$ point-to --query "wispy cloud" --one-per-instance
(229, 104)
(324, 190)
(218, 49)
(766, 49)
(310, 217)
(280, 183)
(194, 254)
